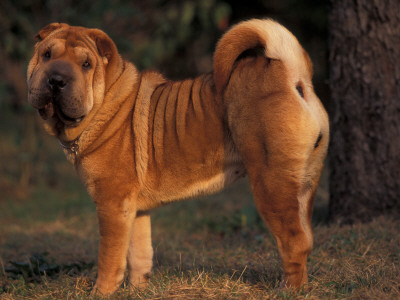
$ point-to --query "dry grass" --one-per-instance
(215, 248)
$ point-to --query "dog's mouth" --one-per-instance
(47, 111)
(50, 110)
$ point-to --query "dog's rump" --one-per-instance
(277, 41)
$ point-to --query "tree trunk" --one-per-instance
(364, 109)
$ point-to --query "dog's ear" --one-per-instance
(45, 31)
(109, 53)
(105, 45)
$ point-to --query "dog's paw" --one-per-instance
(139, 281)
(286, 284)
(100, 292)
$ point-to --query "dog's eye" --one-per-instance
(86, 65)
(47, 54)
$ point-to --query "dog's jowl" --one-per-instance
(138, 140)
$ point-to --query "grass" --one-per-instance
(211, 248)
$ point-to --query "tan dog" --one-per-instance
(139, 141)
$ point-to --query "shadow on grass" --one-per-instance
(39, 265)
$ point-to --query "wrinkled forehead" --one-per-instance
(71, 39)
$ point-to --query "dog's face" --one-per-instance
(67, 73)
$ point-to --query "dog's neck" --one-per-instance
(110, 114)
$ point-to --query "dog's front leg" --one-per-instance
(115, 230)
(140, 253)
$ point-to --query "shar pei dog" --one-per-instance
(138, 140)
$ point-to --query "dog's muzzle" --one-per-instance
(59, 95)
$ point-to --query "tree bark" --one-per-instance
(365, 109)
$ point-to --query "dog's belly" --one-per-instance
(173, 188)
(207, 186)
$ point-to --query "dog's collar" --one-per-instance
(72, 147)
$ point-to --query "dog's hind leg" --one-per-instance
(285, 205)
(283, 198)
(283, 184)
(282, 137)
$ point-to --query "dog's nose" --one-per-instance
(57, 81)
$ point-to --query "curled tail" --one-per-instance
(277, 41)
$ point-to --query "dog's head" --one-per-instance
(70, 69)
